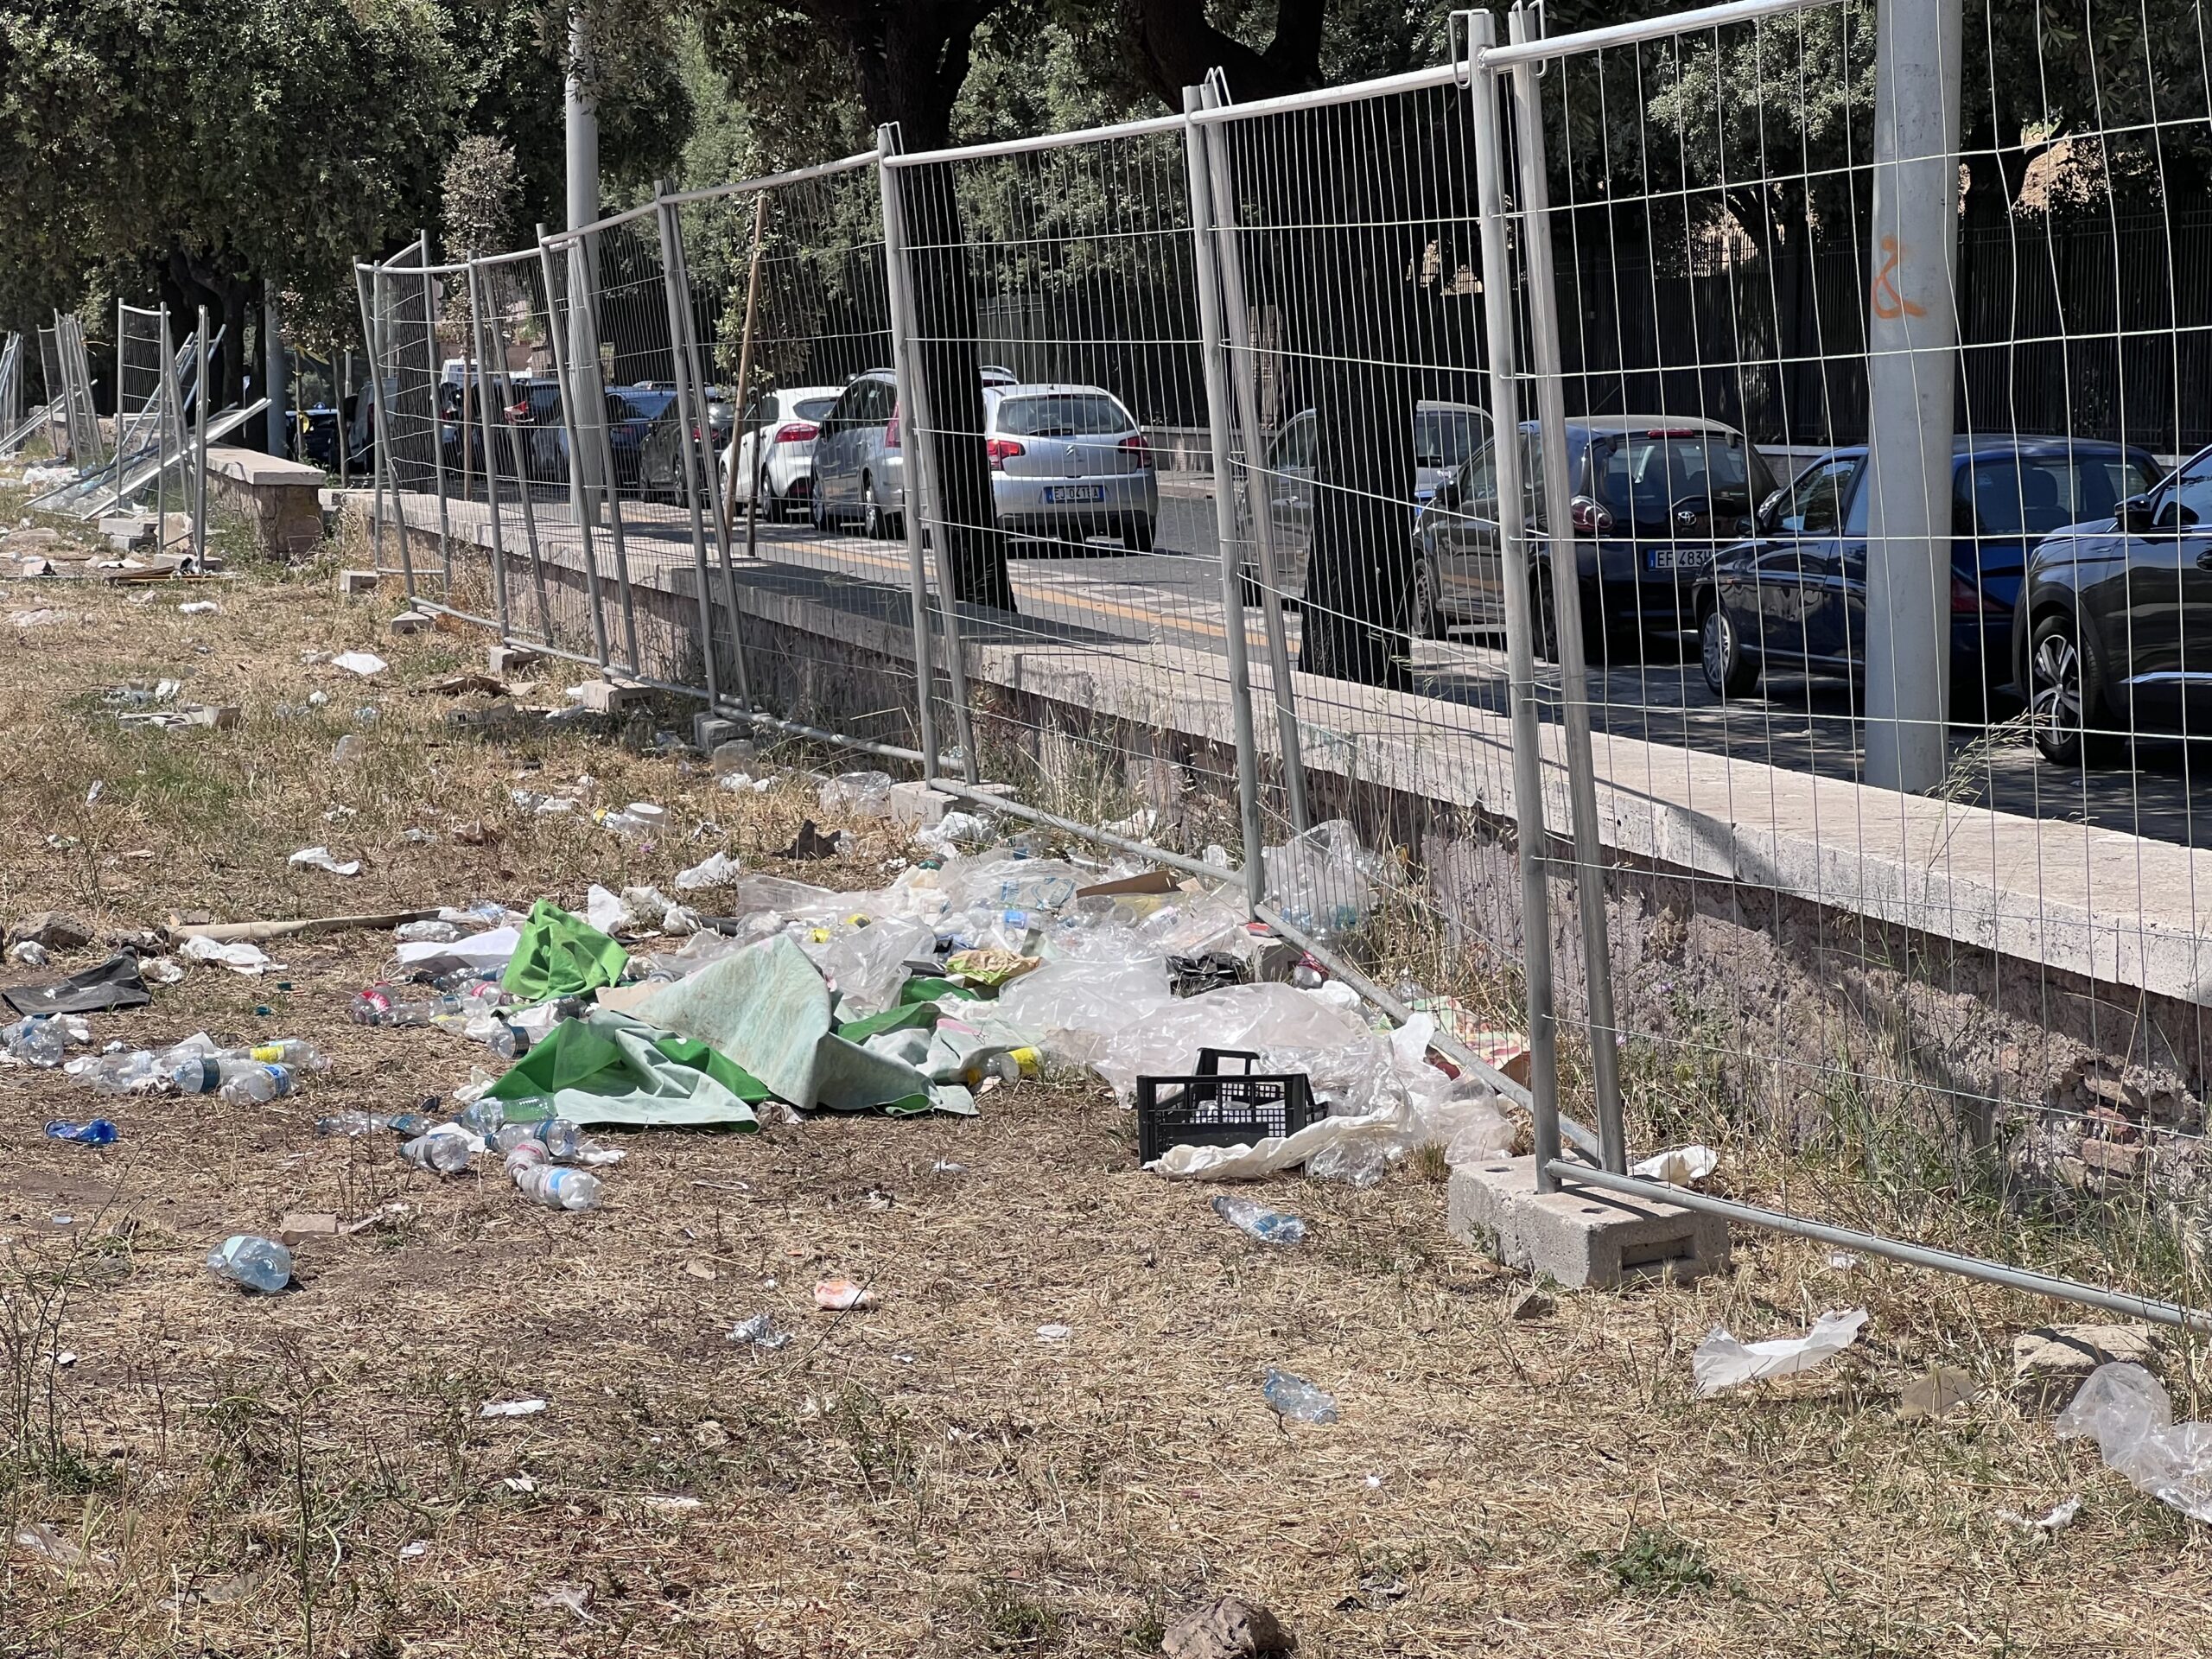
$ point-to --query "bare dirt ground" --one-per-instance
(310, 1473)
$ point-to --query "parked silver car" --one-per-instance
(1069, 463)
(774, 446)
(859, 472)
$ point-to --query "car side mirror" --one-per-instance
(2134, 514)
(1447, 499)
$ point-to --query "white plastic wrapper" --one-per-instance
(322, 858)
(238, 957)
(2130, 1416)
(1678, 1166)
(364, 662)
(711, 872)
(858, 794)
(1722, 1363)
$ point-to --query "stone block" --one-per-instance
(916, 804)
(710, 732)
(351, 582)
(1579, 1236)
(611, 696)
(409, 622)
(506, 661)
(2049, 1364)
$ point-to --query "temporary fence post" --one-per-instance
(1567, 596)
(744, 392)
(380, 413)
(118, 406)
(1224, 505)
(344, 445)
(164, 373)
(1244, 365)
(478, 347)
(693, 432)
(566, 381)
(437, 413)
(1521, 666)
(583, 279)
(522, 483)
(687, 343)
(200, 444)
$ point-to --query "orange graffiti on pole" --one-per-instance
(1889, 303)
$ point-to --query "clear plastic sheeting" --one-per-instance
(1325, 881)
(2130, 1416)
(1721, 1362)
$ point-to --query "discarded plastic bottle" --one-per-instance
(386, 1004)
(508, 1136)
(503, 1039)
(562, 1139)
(1008, 1065)
(524, 1156)
(1296, 1400)
(255, 1084)
(559, 1189)
(121, 1074)
(483, 1117)
(428, 932)
(251, 1263)
(441, 1151)
(296, 1052)
(1268, 1226)
(98, 1133)
(238, 1081)
(35, 1039)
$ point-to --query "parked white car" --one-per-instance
(1069, 463)
(773, 448)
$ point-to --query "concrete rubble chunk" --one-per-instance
(506, 660)
(2051, 1363)
(1230, 1628)
(409, 622)
(57, 929)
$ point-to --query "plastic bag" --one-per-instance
(1678, 1166)
(1270, 1018)
(868, 966)
(1073, 1009)
(1324, 882)
(858, 794)
(1721, 1362)
(2130, 1416)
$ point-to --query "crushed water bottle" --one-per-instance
(98, 1133)
(354, 1125)
(119, 1074)
(562, 1139)
(296, 1052)
(35, 1039)
(559, 1189)
(428, 932)
(1296, 1400)
(251, 1263)
(503, 1039)
(446, 1150)
(484, 1117)
(1268, 1226)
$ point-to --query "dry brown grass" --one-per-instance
(924, 1478)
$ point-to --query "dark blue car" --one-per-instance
(1793, 597)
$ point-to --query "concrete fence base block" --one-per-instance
(917, 804)
(409, 622)
(710, 732)
(1579, 1238)
(611, 696)
(351, 582)
(504, 660)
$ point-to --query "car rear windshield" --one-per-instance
(1063, 414)
(813, 409)
(1442, 437)
(2024, 496)
(643, 405)
(1645, 478)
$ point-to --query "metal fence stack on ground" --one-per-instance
(1890, 941)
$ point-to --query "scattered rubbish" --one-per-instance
(1230, 1102)
(320, 858)
(199, 607)
(26, 953)
(1678, 1166)
(1296, 1400)
(414, 1552)
(512, 1408)
(945, 836)
(251, 1263)
(238, 957)
(857, 795)
(1939, 1394)
(2056, 1519)
(39, 618)
(429, 933)
(943, 1167)
(838, 1295)
(711, 872)
(1196, 976)
(444, 1149)
(559, 1189)
(350, 750)
(63, 1555)
(1053, 1332)
(994, 968)
(1268, 1226)
(115, 983)
(2130, 1416)
(811, 844)
(521, 1483)
(36, 1040)
(559, 955)
(1324, 882)
(1721, 1362)
(305, 927)
(363, 663)
(239, 1082)
(1533, 1304)
(759, 1331)
(98, 1133)
(572, 1598)
(1841, 1260)
(638, 818)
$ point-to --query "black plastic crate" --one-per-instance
(1220, 1107)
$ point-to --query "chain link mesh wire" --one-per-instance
(1969, 1014)
(1057, 332)
(790, 318)
(1350, 262)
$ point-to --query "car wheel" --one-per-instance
(1137, 533)
(814, 510)
(1720, 654)
(2066, 694)
(872, 514)
(772, 506)
(1421, 621)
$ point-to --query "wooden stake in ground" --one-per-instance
(744, 393)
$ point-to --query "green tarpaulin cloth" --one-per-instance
(561, 955)
(608, 1068)
(768, 1010)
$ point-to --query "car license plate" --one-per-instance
(1680, 558)
(1060, 495)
